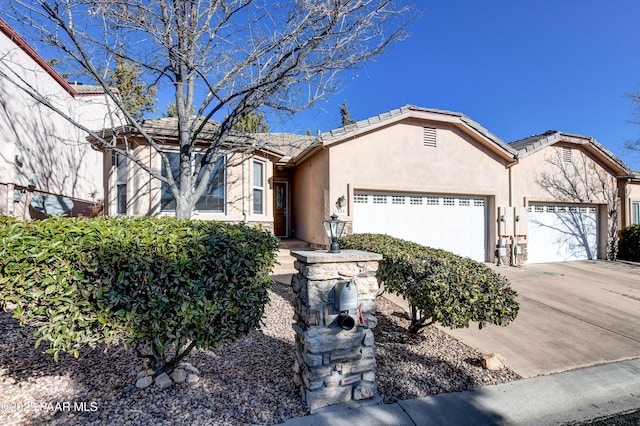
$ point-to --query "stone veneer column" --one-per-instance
(334, 365)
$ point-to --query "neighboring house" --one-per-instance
(441, 179)
(434, 177)
(45, 162)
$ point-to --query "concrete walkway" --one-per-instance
(562, 398)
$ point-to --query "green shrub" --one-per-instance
(439, 286)
(154, 283)
(629, 244)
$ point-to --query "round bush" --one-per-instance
(439, 286)
(629, 244)
(153, 283)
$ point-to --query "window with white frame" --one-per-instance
(635, 212)
(121, 164)
(121, 198)
(258, 187)
(212, 199)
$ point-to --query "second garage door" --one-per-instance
(453, 223)
(559, 233)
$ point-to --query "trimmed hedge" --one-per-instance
(439, 286)
(154, 283)
(629, 244)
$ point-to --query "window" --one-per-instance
(465, 202)
(121, 198)
(360, 198)
(448, 201)
(415, 201)
(213, 198)
(121, 163)
(258, 187)
(397, 199)
(379, 199)
(635, 213)
(433, 201)
(566, 154)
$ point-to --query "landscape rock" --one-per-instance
(163, 381)
(192, 379)
(188, 368)
(179, 375)
(144, 382)
(493, 362)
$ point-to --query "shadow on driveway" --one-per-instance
(572, 315)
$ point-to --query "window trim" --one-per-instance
(194, 160)
(635, 212)
(121, 165)
(261, 188)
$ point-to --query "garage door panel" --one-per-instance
(456, 224)
(560, 233)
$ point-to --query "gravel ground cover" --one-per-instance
(250, 382)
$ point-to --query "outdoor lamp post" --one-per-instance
(334, 228)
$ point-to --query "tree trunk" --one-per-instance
(184, 207)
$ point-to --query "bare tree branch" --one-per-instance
(577, 181)
(218, 57)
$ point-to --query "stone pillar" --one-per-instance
(335, 365)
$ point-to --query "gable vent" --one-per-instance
(429, 137)
(566, 154)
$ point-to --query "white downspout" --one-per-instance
(514, 238)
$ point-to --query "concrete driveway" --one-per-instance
(572, 315)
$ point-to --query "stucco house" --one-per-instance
(441, 179)
(431, 176)
(45, 162)
(241, 188)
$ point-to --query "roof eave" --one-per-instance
(406, 112)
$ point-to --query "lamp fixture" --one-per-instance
(334, 229)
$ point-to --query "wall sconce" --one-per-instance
(517, 218)
(334, 229)
(19, 159)
(503, 218)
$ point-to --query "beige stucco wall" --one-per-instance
(310, 198)
(633, 195)
(53, 149)
(529, 170)
(393, 158)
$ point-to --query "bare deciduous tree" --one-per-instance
(220, 58)
(578, 181)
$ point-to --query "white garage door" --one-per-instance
(456, 224)
(559, 233)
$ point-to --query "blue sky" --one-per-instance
(517, 67)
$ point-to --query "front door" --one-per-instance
(280, 214)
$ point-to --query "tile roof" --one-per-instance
(287, 145)
(531, 144)
(406, 111)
